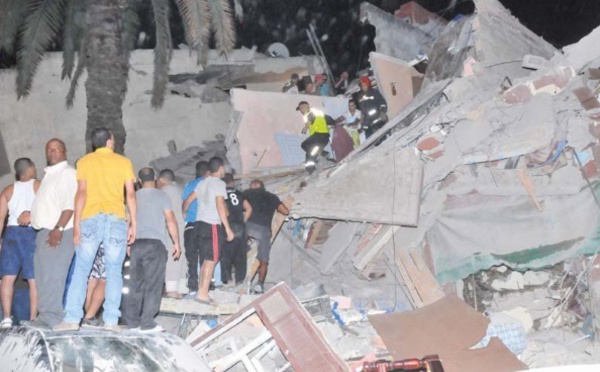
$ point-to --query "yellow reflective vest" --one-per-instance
(319, 124)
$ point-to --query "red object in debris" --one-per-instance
(436, 155)
(430, 363)
(428, 144)
(518, 94)
(341, 143)
(590, 169)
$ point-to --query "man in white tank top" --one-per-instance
(18, 243)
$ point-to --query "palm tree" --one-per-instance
(103, 32)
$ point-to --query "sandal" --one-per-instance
(209, 302)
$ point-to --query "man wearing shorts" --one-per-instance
(18, 245)
(211, 223)
(264, 204)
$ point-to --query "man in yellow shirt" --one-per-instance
(100, 218)
(315, 124)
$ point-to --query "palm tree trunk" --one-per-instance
(107, 66)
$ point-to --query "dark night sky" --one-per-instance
(561, 22)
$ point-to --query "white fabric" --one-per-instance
(293, 90)
(21, 200)
(350, 119)
(55, 195)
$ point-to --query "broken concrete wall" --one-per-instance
(264, 116)
(501, 41)
(494, 50)
(397, 81)
(394, 37)
(27, 124)
(347, 193)
(582, 53)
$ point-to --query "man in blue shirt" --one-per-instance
(192, 251)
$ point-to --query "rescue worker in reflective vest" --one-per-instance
(373, 107)
(316, 126)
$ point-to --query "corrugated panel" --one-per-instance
(296, 334)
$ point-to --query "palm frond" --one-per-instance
(196, 21)
(131, 25)
(188, 21)
(11, 17)
(162, 51)
(77, 75)
(238, 9)
(42, 24)
(222, 25)
(72, 32)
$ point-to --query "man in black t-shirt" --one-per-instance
(234, 254)
(264, 204)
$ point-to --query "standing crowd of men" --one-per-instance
(68, 235)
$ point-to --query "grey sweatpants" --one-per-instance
(147, 265)
(51, 266)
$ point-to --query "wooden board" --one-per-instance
(420, 282)
(373, 243)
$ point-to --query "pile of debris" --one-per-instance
(480, 191)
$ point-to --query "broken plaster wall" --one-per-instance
(347, 193)
(475, 44)
(582, 53)
(396, 80)
(501, 49)
(27, 124)
(393, 37)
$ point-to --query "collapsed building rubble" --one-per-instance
(487, 166)
(463, 228)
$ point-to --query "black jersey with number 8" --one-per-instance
(235, 204)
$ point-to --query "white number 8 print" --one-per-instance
(234, 199)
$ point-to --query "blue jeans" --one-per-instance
(111, 231)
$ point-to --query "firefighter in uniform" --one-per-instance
(373, 107)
